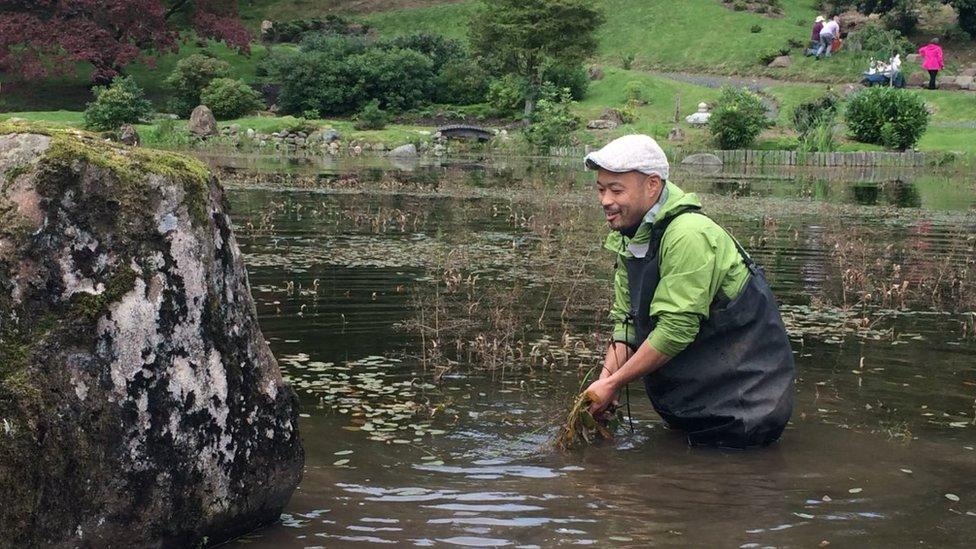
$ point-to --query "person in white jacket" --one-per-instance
(829, 33)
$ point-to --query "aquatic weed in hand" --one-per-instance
(582, 429)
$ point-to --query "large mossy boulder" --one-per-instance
(140, 405)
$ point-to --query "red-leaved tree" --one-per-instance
(39, 38)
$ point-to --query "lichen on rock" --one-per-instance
(136, 389)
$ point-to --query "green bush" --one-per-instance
(966, 11)
(634, 92)
(399, 79)
(571, 77)
(739, 118)
(229, 98)
(121, 103)
(879, 42)
(188, 79)
(314, 80)
(295, 30)
(552, 121)
(461, 82)
(627, 61)
(439, 49)
(371, 117)
(807, 115)
(505, 95)
(892, 117)
(902, 17)
(755, 29)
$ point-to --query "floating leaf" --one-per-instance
(952, 497)
(341, 462)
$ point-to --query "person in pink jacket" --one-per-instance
(932, 60)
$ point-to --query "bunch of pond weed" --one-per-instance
(582, 428)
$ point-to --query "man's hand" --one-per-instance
(603, 392)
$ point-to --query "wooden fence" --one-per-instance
(785, 158)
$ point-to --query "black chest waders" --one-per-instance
(733, 385)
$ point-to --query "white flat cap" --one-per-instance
(630, 153)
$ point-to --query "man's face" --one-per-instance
(626, 197)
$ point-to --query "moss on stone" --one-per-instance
(131, 165)
(91, 307)
(16, 171)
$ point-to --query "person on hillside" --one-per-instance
(693, 314)
(932, 60)
(829, 33)
(818, 24)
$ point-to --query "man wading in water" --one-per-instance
(693, 314)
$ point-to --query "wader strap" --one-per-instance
(750, 263)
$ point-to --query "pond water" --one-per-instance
(436, 321)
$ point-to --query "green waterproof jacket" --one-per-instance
(699, 263)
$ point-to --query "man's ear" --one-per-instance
(654, 180)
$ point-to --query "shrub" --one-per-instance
(572, 77)
(462, 82)
(229, 98)
(337, 74)
(552, 121)
(627, 61)
(371, 117)
(739, 5)
(190, 76)
(295, 30)
(807, 115)
(337, 46)
(123, 102)
(314, 80)
(767, 57)
(892, 117)
(634, 92)
(966, 11)
(311, 114)
(505, 95)
(879, 42)
(437, 48)
(755, 29)
(399, 79)
(739, 118)
(628, 113)
(903, 16)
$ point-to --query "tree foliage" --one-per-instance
(39, 38)
(524, 37)
(190, 76)
(336, 74)
(966, 10)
